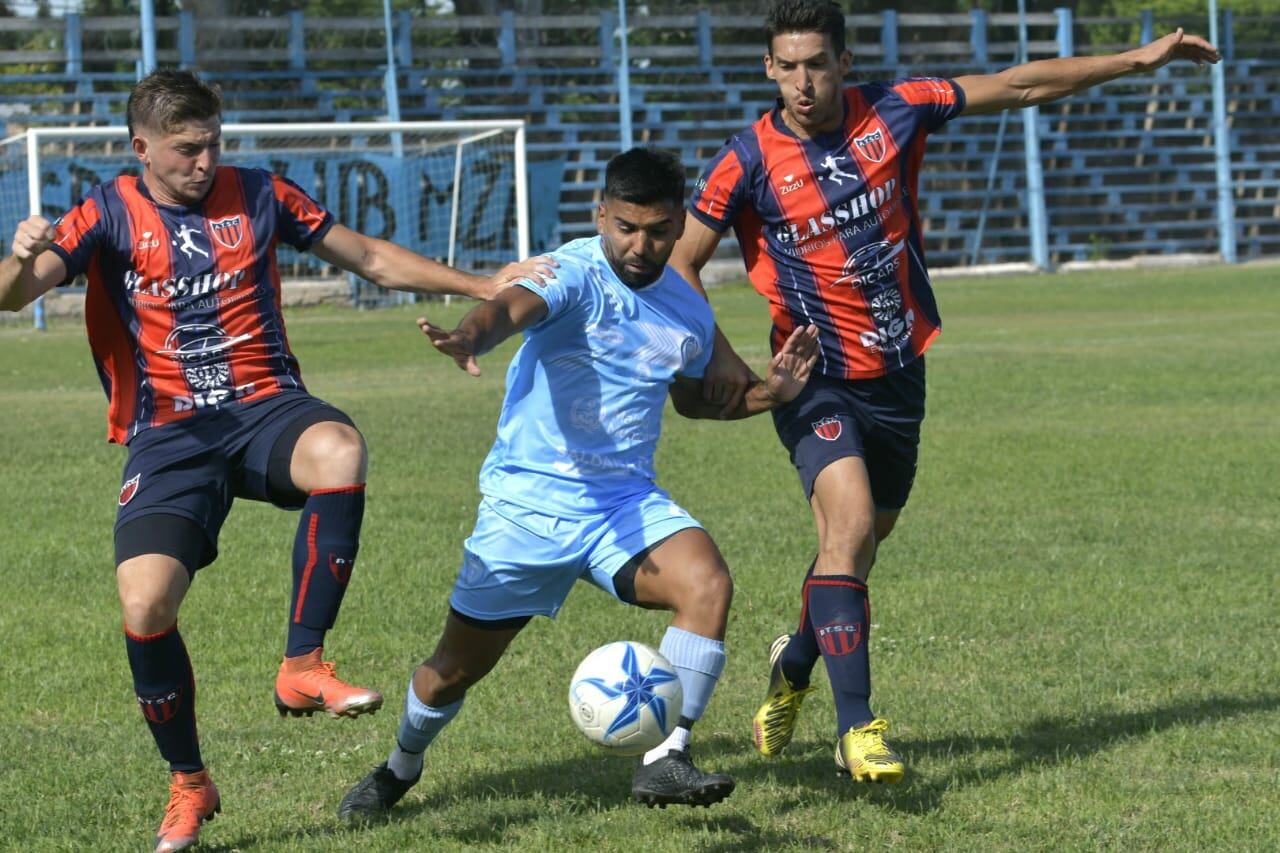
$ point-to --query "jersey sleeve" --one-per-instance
(697, 367)
(561, 293)
(300, 220)
(720, 190)
(704, 328)
(935, 100)
(79, 234)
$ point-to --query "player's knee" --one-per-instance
(334, 455)
(849, 545)
(145, 613)
(708, 591)
(444, 679)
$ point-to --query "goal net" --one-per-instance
(453, 191)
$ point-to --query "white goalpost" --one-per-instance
(456, 191)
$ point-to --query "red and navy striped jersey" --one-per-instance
(183, 303)
(829, 227)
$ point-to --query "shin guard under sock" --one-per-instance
(324, 553)
(166, 691)
(840, 614)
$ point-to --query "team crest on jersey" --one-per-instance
(828, 429)
(228, 232)
(872, 145)
(129, 489)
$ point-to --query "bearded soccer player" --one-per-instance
(183, 318)
(569, 490)
(822, 195)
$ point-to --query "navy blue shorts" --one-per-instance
(194, 469)
(877, 420)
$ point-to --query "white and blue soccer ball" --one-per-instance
(625, 697)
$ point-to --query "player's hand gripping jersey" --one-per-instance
(586, 390)
(183, 303)
(829, 227)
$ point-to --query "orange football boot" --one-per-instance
(306, 684)
(193, 799)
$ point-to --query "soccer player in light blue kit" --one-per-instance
(568, 488)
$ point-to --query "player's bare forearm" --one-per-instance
(512, 311)
(1047, 80)
(13, 292)
(32, 269)
(689, 403)
(481, 330)
(786, 377)
(487, 325)
(689, 273)
(21, 283)
(695, 247)
(398, 268)
(1051, 79)
(388, 265)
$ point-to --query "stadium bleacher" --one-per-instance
(1128, 167)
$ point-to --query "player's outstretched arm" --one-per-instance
(786, 377)
(485, 326)
(1048, 80)
(388, 265)
(32, 270)
(728, 377)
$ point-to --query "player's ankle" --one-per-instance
(304, 660)
(406, 766)
(677, 740)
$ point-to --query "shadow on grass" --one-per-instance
(589, 784)
(486, 807)
(585, 784)
(1044, 742)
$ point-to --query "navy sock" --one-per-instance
(324, 553)
(840, 613)
(166, 691)
(802, 652)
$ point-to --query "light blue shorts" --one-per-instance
(518, 562)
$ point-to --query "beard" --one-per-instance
(632, 278)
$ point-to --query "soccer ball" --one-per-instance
(625, 697)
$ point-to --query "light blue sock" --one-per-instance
(418, 727)
(698, 661)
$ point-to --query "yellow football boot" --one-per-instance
(775, 722)
(863, 754)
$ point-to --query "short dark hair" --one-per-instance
(169, 97)
(805, 16)
(645, 176)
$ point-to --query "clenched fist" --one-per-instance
(33, 237)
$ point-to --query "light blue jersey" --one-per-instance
(586, 390)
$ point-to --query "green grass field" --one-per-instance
(1076, 625)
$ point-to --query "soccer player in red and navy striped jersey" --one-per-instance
(183, 310)
(822, 193)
